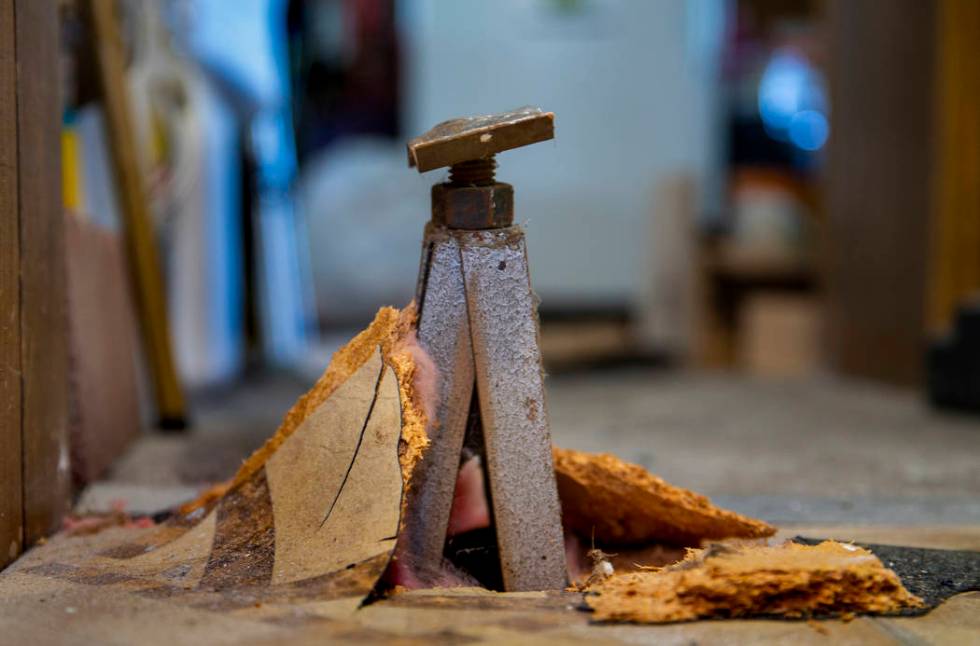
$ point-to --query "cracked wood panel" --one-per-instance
(336, 483)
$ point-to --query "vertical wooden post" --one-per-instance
(877, 197)
(137, 224)
(955, 250)
(11, 490)
(33, 332)
(43, 318)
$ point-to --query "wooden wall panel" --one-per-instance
(878, 186)
(955, 260)
(11, 518)
(44, 338)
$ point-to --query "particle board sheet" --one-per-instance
(790, 580)
(322, 512)
(618, 503)
(318, 509)
(291, 548)
(327, 492)
(932, 574)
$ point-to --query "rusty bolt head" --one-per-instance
(468, 138)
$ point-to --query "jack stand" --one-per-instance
(478, 321)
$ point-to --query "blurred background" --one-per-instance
(756, 235)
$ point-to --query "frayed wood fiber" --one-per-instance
(788, 580)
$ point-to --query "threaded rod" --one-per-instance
(474, 172)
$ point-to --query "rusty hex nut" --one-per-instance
(473, 207)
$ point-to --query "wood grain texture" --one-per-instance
(44, 338)
(878, 198)
(11, 519)
(955, 252)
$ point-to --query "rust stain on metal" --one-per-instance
(532, 409)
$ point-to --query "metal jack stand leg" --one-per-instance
(478, 321)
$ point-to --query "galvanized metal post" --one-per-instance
(478, 321)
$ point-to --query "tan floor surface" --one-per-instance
(51, 596)
(875, 458)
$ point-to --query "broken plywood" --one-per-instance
(393, 331)
(311, 520)
(320, 505)
(788, 580)
(622, 503)
(333, 512)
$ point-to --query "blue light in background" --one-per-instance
(808, 130)
(792, 101)
(781, 90)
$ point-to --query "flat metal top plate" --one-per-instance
(459, 140)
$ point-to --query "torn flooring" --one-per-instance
(290, 528)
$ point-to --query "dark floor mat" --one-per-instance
(932, 575)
